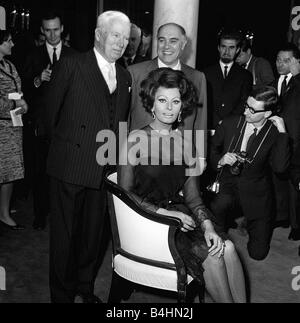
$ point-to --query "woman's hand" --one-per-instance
(188, 224)
(22, 105)
(215, 244)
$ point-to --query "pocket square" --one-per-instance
(129, 89)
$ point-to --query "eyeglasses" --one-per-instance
(252, 111)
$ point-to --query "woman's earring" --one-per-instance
(179, 117)
(153, 115)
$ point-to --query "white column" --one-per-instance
(2, 18)
(184, 13)
(100, 6)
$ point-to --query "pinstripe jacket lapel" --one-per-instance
(96, 84)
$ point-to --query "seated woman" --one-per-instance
(160, 166)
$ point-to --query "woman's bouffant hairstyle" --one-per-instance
(4, 35)
(268, 95)
(170, 79)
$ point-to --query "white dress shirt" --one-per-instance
(108, 71)
(50, 50)
(223, 67)
(248, 132)
(281, 79)
(177, 67)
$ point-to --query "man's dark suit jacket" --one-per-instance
(261, 71)
(226, 96)
(290, 110)
(77, 108)
(137, 59)
(34, 65)
(254, 182)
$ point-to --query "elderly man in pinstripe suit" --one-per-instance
(87, 93)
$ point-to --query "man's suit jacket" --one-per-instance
(139, 117)
(261, 71)
(290, 110)
(35, 63)
(226, 96)
(77, 108)
(254, 182)
(137, 59)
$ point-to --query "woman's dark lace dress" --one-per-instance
(159, 186)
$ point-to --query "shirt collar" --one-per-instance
(289, 76)
(101, 60)
(50, 47)
(177, 67)
(251, 126)
(247, 64)
(223, 65)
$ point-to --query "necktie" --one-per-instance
(225, 71)
(2, 64)
(250, 140)
(54, 57)
(110, 78)
(283, 86)
(244, 66)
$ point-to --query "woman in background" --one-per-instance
(11, 154)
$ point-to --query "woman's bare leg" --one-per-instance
(216, 279)
(5, 196)
(235, 273)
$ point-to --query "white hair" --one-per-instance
(105, 17)
(137, 28)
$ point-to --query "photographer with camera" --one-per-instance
(244, 150)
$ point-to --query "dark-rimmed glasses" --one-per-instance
(252, 111)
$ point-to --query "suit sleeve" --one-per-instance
(56, 91)
(246, 88)
(201, 118)
(295, 168)
(266, 72)
(280, 155)
(217, 146)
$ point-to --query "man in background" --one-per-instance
(259, 67)
(131, 55)
(37, 74)
(228, 85)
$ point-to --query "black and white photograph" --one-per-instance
(149, 154)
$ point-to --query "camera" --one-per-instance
(214, 187)
(237, 167)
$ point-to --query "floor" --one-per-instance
(24, 256)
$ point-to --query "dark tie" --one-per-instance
(2, 64)
(251, 138)
(54, 57)
(225, 71)
(283, 86)
(244, 66)
(129, 61)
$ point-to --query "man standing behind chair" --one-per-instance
(37, 74)
(228, 85)
(259, 67)
(87, 93)
(171, 41)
